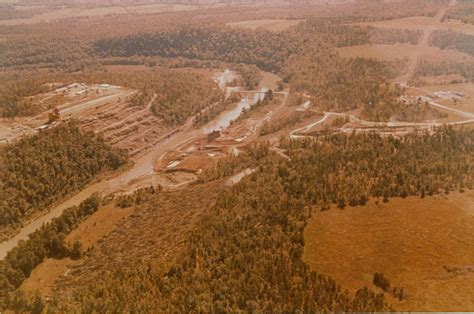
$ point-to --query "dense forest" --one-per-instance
(341, 84)
(303, 58)
(246, 253)
(64, 54)
(427, 68)
(15, 89)
(180, 96)
(43, 168)
(267, 50)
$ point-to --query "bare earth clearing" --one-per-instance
(422, 245)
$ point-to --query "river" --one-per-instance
(143, 169)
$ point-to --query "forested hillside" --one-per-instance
(65, 54)
(41, 169)
(426, 68)
(14, 90)
(267, 50)
(246, 253)
(303, 58)
(180, 96)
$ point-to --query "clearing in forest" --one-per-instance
(422, 245)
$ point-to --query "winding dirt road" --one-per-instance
(423, 42)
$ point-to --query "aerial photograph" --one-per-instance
(236, 156)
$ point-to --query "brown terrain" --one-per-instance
(422, 245)
(271, 25)
(155, 231)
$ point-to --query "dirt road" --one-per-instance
(423, 42)
(96, 101)
(142, 170)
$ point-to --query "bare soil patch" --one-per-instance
(422, 245)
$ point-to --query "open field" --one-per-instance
(269, 80)
(400, 51)
(422, 22)
(464, 104)
(422, 245)
(88, 233)
(271, 25)
(65, 13)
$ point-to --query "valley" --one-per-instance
(252, 156)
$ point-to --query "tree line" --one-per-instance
(302, 56)
(453, 40)
(41, 169)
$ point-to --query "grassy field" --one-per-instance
(422, 245)
(400, 51)
(422, 22)
(271, 25)
(467, 104)
(269, 80)
(73, 12)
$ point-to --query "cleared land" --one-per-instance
(88, 233)
(156, 231)
(65, 13)
(269, 80)
(422, 245)
(423, 22)
(465, 104)
(271, 25)
(400, 51)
